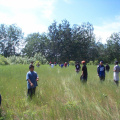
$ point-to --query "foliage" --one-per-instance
(72, 62)
(3, 60)
(40, 57)
(62, 42)
(96, 62)
(91, 63)
(113, 47)
(35, 43)
(26, 60)
(10, 38)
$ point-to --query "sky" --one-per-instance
(36, 15)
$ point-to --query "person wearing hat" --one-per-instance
(32, 79)
(84, 72)
(116, 73)
(101, 71)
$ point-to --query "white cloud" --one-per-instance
(107, 29)
(28, 14)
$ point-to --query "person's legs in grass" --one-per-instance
(117, 82)
(29, 94)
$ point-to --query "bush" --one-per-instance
(41, 58)
(72, 62)
(90, 63)
(3, 60)
(96, 62)
(26, 60)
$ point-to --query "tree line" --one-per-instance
(62, 42)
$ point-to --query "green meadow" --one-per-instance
(59, 96)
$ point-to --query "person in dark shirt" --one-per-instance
(77, 66)
(101, 71)
(84, 72)
(107, 67)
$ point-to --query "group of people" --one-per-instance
(64, 65)
(32, 76)
(61, 65)
(101, 71)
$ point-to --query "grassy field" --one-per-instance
(59, 96)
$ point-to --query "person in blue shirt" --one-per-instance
(68, 64)
(101, 71)
(32, 79)
(62, 65)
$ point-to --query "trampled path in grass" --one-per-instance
(60, 95)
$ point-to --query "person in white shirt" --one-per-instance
(116, 73)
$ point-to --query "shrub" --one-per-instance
(27, 60)
(72, 62)
(3, 60)
(96, 62)
(40, 57)
(90, 63)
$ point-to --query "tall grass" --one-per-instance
(59, 96)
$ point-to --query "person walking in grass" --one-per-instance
(116, 73)
(32, 79)
(62, 65)
(101, 71)
(84, 72)
(65, 64)
(107, 67)
(38, 64)
(77, 66)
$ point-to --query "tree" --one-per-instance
(10, 37)
(35, 43)
(82, 37)
(113, 47)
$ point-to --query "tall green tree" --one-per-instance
(82, 36)
(35, 43)
(113, 47)
(10, 37)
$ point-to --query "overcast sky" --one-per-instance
(37, 15)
